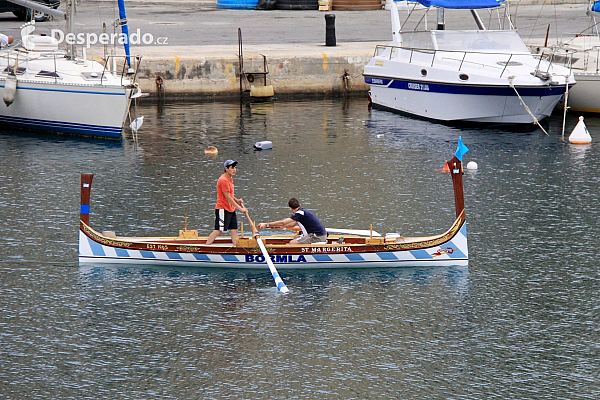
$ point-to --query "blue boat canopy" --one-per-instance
(596, 7)
(459, 4)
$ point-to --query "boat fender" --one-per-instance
(137, 92)
(262, 91)
(10, 88)
(264, 145)
(580, 134)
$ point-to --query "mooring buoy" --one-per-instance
(580, 134)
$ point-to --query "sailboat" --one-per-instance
(45, 88)
(580, 51)
(457, 76)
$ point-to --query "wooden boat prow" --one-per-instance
(340, 251)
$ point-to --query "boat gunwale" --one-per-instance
(406, 243)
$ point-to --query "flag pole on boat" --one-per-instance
(278, 281)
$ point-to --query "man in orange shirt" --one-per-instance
(225, 219)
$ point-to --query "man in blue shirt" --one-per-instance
(312, 229)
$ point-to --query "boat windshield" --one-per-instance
(496, 41)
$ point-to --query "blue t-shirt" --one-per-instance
(308, 222)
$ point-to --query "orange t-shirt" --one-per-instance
(224, 184)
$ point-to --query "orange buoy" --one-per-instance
(211, 150)
(446, 168)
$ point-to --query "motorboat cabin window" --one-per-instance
(463, 77)
(423, 72)
(484, 41)
(48, 74)
(418, 40)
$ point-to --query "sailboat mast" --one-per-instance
(124, 29)
(69, 15)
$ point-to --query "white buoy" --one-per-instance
(580, 134)
(472, 165)
(264, 145)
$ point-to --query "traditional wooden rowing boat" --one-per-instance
(347, 251)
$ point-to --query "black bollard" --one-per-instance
(329, 29)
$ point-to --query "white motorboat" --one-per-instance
(47, 89)
(482, 76)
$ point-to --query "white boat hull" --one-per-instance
(585, 96)
(451, 103)
(89, 110)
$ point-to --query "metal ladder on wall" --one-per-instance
(254, 82)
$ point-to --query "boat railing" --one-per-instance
(459, 56)
(123, 66)
(588, 51)
(16, 62)
(568, 37)
(559, 56)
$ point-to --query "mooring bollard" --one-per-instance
(329, 29)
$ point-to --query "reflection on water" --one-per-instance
(519, 322)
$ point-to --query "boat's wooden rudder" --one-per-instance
(86, 188)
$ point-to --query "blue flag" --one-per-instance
(461, 150)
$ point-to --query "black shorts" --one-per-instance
(225, 220)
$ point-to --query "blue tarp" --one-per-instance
(459, 4)
(596, 7)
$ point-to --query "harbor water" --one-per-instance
(520, 322)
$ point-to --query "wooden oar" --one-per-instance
(278, 281)
(357, 232)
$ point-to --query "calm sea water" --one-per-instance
(520, 322)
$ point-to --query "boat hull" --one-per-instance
(449, 249)
(89, 110)
(585, 96)
(495, 104)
